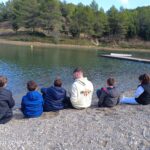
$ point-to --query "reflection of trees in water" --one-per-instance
(21, 64)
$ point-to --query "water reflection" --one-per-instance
(21, 64)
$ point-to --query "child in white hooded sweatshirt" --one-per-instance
(81, 91)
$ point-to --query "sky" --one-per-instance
(106, 4)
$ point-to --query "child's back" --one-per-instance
(6, 102)
(54, 97)
(32, 102)
(108, 97)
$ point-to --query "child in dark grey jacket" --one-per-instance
(108, 97)
(6, 102)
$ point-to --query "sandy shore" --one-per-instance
(124, 127)
(40, 44)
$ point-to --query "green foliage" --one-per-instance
(144, 23)
(30, 14)
(94, 6)
(100, 23)
(50, 15)
(53, 17)
(3, 12)
(74, 30)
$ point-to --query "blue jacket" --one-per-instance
(53, 98)
(32, 104)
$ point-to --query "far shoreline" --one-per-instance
(40, 44)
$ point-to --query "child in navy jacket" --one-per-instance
(54, 96)
(32, 102)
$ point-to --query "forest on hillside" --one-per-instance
(54, 17)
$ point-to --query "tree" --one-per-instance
(100, 23)
(15, 14)
(144, 23)
(30, 14)
(83, 15)
(3, 12)
(132, 24)
(50, 15)
(117, 24)
(66, 11)
(94, 6)
(74, 30)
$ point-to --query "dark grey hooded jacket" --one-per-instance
(108, 97)
(6, 104)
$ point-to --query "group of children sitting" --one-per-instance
(54, 98)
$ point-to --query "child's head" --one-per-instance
(3, 81)
(110, 81)
(58, 83)
(144, 79)
(78, 73)
(31, 85)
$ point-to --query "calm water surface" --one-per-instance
(20, 64)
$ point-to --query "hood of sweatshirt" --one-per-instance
(56, 93)
(33, 95)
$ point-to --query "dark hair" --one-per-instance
(78, 69)
(111, 81)
(3, 81)
(58, 82)
(141, 77)
(31, 85)
(144, 78)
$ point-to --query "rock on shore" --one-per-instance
(125, 127)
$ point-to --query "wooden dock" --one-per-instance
(128, 58)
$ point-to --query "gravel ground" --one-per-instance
(124, 127)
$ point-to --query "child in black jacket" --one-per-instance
(108, 97)
(6, 102)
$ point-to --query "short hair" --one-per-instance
(144, 78)
(111, 81)
(58, 83)
(31, 85)
(78, 69)
(3, 81)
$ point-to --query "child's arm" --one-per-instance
(22, 103)
(98, 93)
(11, 101)
(101, 98)
(139, 91)
(43, 90)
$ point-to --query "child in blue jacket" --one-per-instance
(54, 96)
(32, 102)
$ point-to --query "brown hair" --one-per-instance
(58, 82)
(111, 81)
(31, 85)
(78, 69)
(3, 81)
(144, 78)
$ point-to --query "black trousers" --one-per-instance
(5, 119)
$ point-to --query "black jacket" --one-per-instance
(108, 97)
(6, 104)
(144, 98)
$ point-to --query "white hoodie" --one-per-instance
(81, 93)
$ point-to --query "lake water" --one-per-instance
(21, 63)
